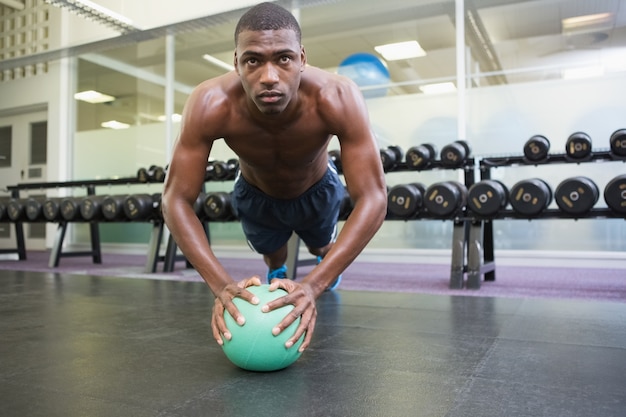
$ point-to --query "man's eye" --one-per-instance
(285, 59)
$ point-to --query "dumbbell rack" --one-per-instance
(95, 253)
(481, 259)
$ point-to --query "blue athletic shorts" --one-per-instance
(269, 222)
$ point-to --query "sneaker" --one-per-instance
(335, 284)
(280, 273)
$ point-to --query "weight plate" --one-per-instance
(487, 197)
(530, 197)
(578, 145)
(420, 157)
(51, 209)
(615, 194)
(70, 209)
(217, 206)
(454, 154)
(576, 195)
(536, 148)
(618, 142)
(33, 209)
(443, 199)
(405, 200)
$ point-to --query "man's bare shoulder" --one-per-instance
(335, 96)
(211, 102)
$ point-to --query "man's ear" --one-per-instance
(235, 62)
(302, 58)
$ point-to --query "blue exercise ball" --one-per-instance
(366, 70)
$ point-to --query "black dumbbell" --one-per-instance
(335, 156)
(578, 146)
(487, 197)
(139, 207)
(445, 199)
(217, 206)
(454, 154)
(530, 197)
(615, 194)
(421, 156)
(391, 157)
(113, 207)
(16, 210)
(91, 207)
(225, 170)
(51, 209)
(34, 209)
(70, 209)
(405, 200)
(618, 143)
(536, 148)
(576, 195)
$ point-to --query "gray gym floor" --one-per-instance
(73, 345)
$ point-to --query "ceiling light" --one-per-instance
(583, 72)
(114, 124)
(400, 50)
(217, 62)
(583, 22)
(92, 96)
(438, 88)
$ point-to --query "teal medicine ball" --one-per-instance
(253, 346)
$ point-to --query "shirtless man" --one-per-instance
(278, 115)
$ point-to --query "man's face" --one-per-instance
(269, 64)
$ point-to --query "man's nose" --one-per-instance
(269, 75)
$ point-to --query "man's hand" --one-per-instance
(224, 302)
(302, 298)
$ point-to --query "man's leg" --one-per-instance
(276, 259)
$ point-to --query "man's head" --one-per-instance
(269, 57)
(267, 16)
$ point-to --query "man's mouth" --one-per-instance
(270, 97)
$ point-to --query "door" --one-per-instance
(23, 159)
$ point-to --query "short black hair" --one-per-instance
(267, 16)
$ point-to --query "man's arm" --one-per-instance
(347, 113)
(183, 183)
(343, 109)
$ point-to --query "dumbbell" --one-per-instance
(141, 207)
(217, 206)
(152, 174)
(113, 207)
(225, 170)
(51, 210)
(16, 210)
(615, 194)
(70, 209)
(455, 154)
(536, 148)
(487, 197)
(421, 156)
(335, 156)
(405, 200)
(391, 157)
(578, 146)
(618, 143)
(91, 207)
(444, 199)
(576, 195)
(530, 197)
(34, 209)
